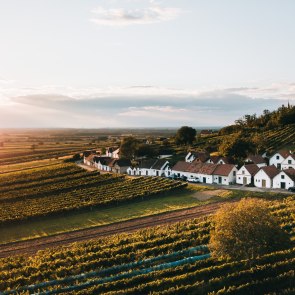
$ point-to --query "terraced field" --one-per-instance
(169, 259)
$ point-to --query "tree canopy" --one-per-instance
(128, 147)
(245, 230)
(237, 146)
(185, 135)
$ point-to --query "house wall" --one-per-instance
(243, 172)
(288, 163)
(189, 157)
(282, 177)
(206, 177)
(261, 175)
(226, 180)
(103, 167)
(276, 160)
(181, 173)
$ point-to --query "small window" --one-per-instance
(243, 172)
(289, 161)
(282, 176)
(277, 157)
(234, 173)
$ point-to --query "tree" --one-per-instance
(237, 146)
(185, 135)
(145, 150)
(128, 147)
(245, 230)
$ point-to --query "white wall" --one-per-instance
(276, 159)
(261, 175)
(282, 177)
(289, 162)
(226, 180)
(243, 172)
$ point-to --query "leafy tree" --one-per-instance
(145, 150)
(245, 230)
(237, 146)
(128, 147)
(185, 135)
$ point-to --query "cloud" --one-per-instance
(135, 106)
(126, 17)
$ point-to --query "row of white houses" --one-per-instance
(208, 169)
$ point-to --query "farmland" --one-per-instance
(64, 188)
(161, 260)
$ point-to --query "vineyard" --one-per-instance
(66, 187)
(274, 139)
(170, 259)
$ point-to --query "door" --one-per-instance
(283, 185)
(219, 179)
(244, 180)
(204, 179)
(263, 183)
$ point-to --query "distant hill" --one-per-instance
(269, 132)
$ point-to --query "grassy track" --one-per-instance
(53, 225)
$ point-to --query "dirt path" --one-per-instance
(32, 246)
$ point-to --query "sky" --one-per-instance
(143, 63)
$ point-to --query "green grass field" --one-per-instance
(79, 220)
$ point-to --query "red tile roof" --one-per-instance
(252, 168)
(256, 159)
(181, 166)
(271, 171)
(284, 153)
(224, 169)
(291, 173)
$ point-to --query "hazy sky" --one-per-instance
(140, 63)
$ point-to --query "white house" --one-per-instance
(218, 160)
(246, 173)
(199, 156)
(285, 179)
(225, 174)
(151, 167)
(120, 165)
(103, 163)
(264, 177)
(256, 159)
(289, 162)
(113, 153)
(181, 169)
(278, 158)
(90, 159)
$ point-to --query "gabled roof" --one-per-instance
(121, 162)
(271, 171)
(91, 158)
(156, 164)
(223, 169)
(181, 166)
(103, 160)
(283, 153)
(256, 159)
(215, 159)
(252, 169)
(159, 164)
(292, 156)
(200, 156)
(202, 168)
(290, 172)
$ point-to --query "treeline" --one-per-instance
(284, 115)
